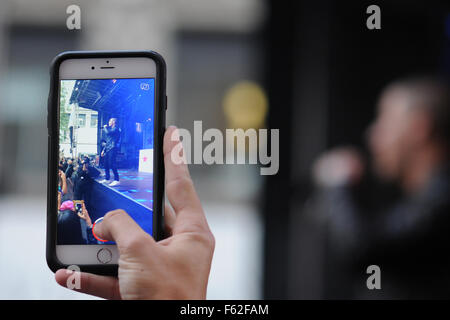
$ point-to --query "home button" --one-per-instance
(104, 255)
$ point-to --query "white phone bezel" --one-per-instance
(91, 68)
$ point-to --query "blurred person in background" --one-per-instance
(62, 182)
(61, 163)
(409, 239)
(83, 179)
(70, 168)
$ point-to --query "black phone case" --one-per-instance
(53, 138)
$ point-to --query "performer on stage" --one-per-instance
(112, 137)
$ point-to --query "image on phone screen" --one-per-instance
(106, 131)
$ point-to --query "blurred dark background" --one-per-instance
(325, 71)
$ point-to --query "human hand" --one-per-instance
(85, 215)
(62, 175)
(174, 268)
(341, 166)
(59, 201)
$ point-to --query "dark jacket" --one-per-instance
(409, 241)
(112, 138)
(82, 181)
(69, 170)
(69, 228)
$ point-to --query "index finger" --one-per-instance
(179, 186)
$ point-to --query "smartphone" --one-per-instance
(106, 121)
(78, 206)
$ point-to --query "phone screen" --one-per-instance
(106, 136)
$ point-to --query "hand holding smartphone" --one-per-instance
(106, 116)
(176, 267)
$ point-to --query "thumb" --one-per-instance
(100, 286)
(118, 226)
